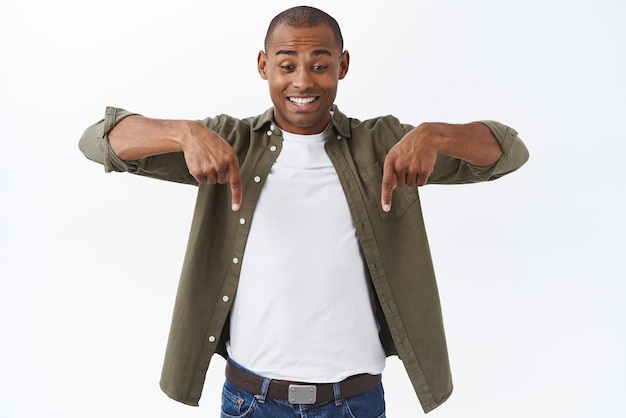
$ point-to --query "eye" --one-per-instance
(319, 67)
(287, 68)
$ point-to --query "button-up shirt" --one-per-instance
(394, 244)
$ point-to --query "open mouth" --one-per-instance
(302, 101)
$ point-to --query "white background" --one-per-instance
(530, 267)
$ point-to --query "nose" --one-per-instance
(302, 79)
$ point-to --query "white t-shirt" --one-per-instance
(304, 308)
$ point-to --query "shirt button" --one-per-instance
(225, 298)
(211, 339)
(273, 148)
(338, 137)
(257, 179)
(235, 260)
(242, 221)
(272, 127)
(269, 133)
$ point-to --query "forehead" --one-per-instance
(285, 37)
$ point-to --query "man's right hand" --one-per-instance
(209, 158)
(212, 160)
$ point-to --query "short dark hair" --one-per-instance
(305, 17)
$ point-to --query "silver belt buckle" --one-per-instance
(302, 394)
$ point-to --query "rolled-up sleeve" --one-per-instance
(514, 152)
(94, 143)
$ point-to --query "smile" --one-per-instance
(302, 101)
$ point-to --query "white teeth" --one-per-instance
(301, 101)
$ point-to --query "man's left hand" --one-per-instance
(409, 162)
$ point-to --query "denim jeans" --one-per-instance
(237, 403)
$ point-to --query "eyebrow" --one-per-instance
(314, 53)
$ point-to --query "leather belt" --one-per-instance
(294, 392)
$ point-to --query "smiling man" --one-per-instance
(303, 66)
(308, 263)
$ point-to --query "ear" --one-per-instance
(262, 65)
(344, 63)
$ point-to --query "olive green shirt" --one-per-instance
(394, 244)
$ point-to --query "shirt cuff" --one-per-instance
(113, 116)
(514, 152)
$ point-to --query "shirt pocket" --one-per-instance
(402, 198)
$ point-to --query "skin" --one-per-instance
(302, 65)
(411, 161)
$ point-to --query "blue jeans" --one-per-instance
(237, 403)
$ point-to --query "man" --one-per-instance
(308, 262)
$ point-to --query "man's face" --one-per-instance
(303, 67)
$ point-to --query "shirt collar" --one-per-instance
(339, 121)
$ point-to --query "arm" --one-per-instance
(411, 161)
(208, 157)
